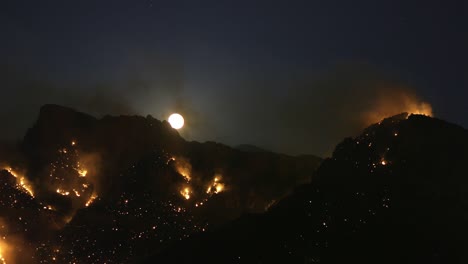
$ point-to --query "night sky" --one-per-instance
(290, 76)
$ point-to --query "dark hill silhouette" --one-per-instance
(254, 179)
(395, 194)
(121, 188)
(250, 148)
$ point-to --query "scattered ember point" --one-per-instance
(49, 207)
(383, 162)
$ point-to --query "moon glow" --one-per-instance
(176, 121)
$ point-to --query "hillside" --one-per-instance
(121, 188)
(397, 193)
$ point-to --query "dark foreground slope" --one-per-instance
(112, 146)
(398, 193)
(118, 189)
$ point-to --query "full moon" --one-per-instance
(176, 121)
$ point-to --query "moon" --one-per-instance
(176, 121)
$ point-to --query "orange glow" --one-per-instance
(2, 259)
(395, 101)
(76, 193)
(82, 173)
(219, 188)
(185, 193)
(183, 167)
(215, 186)
(91, 200)
(49, 207)
(3, 252)
(21, 181)
(62, 192)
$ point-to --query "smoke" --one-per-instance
(310, 113)
(392, 101)
(146, 84)
(304, 113)
(14, 248)
(24, 93)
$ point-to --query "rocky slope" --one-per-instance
(397, 193)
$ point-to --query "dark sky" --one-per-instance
(291, 76)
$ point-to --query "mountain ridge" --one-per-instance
(394, 194)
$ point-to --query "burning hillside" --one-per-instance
(101, 190)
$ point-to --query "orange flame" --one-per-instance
(395, 101)
(21, 181)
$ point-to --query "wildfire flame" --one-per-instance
(91, 200)
(76, 193)
(70, 175)
(396, 101)
(3, 247)
(82, 173)
(216, 186)
(62, 192)
(2, 259)
(185, 192)
(21, 181)
(183, 167)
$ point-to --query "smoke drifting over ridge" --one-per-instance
(306, 113)
(311, 113)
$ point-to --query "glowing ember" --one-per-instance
(219, 188)
(26, 186)
(21, 182)
(91, 200)
(62, 192)
(216, 186)
(76, 193)
(2, 259)
(82, 173)
(49, 207)
(383, 162)
(3, 247)
(185, 193)
(183, 167)
(73, 143)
